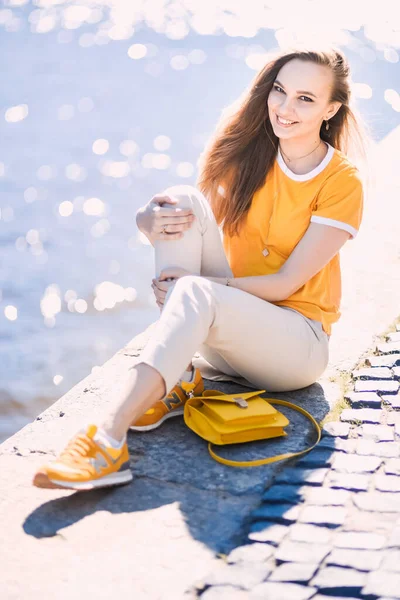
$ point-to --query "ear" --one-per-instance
(332, 110)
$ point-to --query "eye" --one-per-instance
(277, 88)
(307, 98)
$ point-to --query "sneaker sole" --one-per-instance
(176, 413)
(42, 480)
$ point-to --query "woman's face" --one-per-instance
(300, 95)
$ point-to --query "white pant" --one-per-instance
(243, 337)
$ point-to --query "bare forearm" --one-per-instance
(268, 287)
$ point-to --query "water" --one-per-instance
(57, 245)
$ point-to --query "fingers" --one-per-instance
(172, 212)
(174, 228)
(160, 296)
(160, 289)
(162, 286)
(168, 220)
(167, 236)
(169, 232)
(164, 198)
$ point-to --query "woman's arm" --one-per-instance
(316, 248)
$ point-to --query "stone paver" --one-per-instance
(243, 575)
(378, 433)
(391, 561)
(377, 385)
(295, 476)
(295, 572)
(346, 481)
(378, 502)
(394, 540)
(382, 583)
(370, 448)
(373, 373)
(389, 348)
(336, 578)
(336, 429)
(302, 532)
(356, 464)
(331, 516)
(392, 467)
(268, 532)
(301, 552)
(320, 457)
(359, 540)
(326, 496)
(339, 444)
(392, 400)
(393, 337)
(364, 560)
(388, 360)
(280, 591)
(321, 597)
(281, 513)
(364, 399)
(225, 592)
(251, 553)
(362, 415)
(282, 493)
(387, 483)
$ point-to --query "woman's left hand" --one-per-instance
(168, 278)
(173, 273)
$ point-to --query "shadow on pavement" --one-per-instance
(172, 465)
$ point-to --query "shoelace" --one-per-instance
(78, 447)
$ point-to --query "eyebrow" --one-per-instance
(298, 91)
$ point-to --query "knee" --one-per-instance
(191, 285)
(196, 291)
(191, 282)
(188, 196)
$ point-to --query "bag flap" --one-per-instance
(240, 399)
(242, 410)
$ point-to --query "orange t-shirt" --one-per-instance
(331, 194)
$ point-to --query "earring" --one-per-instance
(327, 125)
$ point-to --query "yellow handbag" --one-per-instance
(223, 418)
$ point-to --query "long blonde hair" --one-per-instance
(244, 146)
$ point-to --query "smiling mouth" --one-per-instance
(285, 121)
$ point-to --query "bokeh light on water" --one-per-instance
(104, 104)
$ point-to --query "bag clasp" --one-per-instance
(241, 402)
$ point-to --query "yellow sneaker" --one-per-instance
(86, 464)
(171, 406)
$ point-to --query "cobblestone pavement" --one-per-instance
(329, 526)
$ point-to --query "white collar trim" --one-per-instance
(310, 174)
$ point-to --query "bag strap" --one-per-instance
(266, 461)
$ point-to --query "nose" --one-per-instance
(286, 108)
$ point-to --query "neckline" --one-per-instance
(306, 176)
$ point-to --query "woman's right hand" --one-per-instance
(161, 220)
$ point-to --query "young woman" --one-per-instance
(247, 263)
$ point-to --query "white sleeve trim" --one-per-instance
(334, 223)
